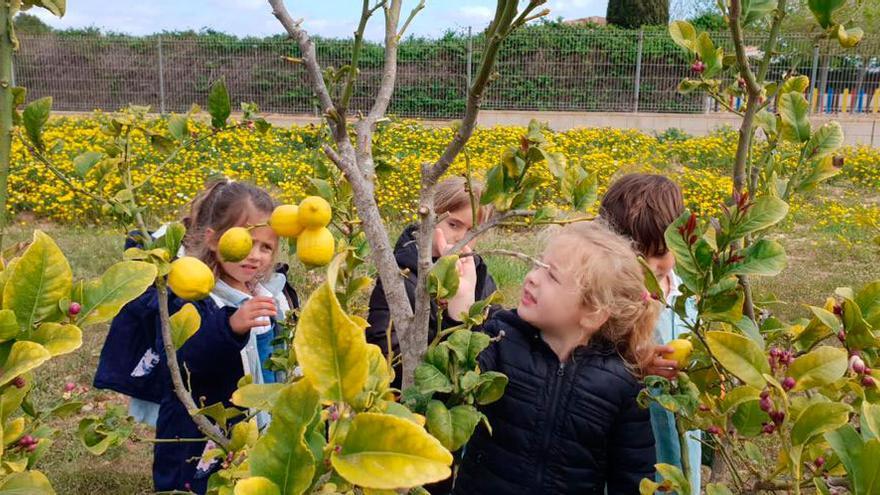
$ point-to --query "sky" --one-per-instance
(331, 18)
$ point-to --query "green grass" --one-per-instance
(818, 263)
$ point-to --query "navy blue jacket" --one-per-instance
(560, 428)
(210, 363)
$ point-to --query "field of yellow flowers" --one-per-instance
(283, 159)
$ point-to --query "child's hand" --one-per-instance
(467, 285)
(666, 368)
(252, 314)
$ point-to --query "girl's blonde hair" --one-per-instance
(223, 204)
(610, 279)
(454, 193)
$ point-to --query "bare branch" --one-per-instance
(416, 336)
(488, 225)
(332, 155)
(513, 254)
(418, 8)
(210, 430)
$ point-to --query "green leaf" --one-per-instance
(750, 330)
(331, 347)
(466, 345)
(38, 281)
(8, 325)
(84, 162)
(556, 162)
(748, 418)
(795, 123)
(870, 418)
(184, 324)
(765, 212)
(848, 445)
(258, 396)
(685, 265)
(820, 171)
(494, 185)
(870, 468)
(173, 238)
(819, 418)
(726, 307)
(282, 454)
(218, 103)
(739, 395)
(387, 452)
(35, 116)
(739, 355)
(491, 388)
(823, 10)
(178, 126)
(756, 10)
(26, 483)
(23, 357)
(767, 121)
(765, 257)
(453, 427)
(674, 474)
(859, 334)
(684, 35)
(712, 58)
(161, 144)
(819, 367)
(58, 339)
(429, 379)
(102, 298)
(826, 140)
(443, 278)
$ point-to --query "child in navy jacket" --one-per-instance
(235, 321)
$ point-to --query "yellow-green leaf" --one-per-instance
(819, 367)
(102, 298)
(38, 281)
(331, 347)
(244, 434)
(260, 396)
(26, 483)
(13, 430)
(256, 485)
(184, 324)
(797, 84)
(683, 34)
(57, 338)
(23, 357)
(739, 355)
(8, 325)
(818, 418)
(871, 418)
(387, 452)
(794, 110)
(282, 455)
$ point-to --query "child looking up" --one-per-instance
(573, 350)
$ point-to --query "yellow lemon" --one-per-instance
(315, 247)
(285, 221)
(681, 351)
(256, 485)
(235, 244)
(314, 212)
(190, 279)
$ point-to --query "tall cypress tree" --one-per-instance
(636, 13)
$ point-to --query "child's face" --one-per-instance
(454, 226)
(242, 274)
(551, 299)
(661, 265)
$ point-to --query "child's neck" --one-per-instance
(237, 285)
(564, 343)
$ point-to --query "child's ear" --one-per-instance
(210, 239)
(593, 319)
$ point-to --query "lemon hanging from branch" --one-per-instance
(285, 221)
(315, 247)
(314, 212)
(235, 244)
(190, 279)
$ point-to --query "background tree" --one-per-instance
(636, 13)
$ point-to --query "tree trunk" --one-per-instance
(636, 13)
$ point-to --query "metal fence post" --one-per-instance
(161, 78)
(638, 82)
(813, 72)
(470, 59)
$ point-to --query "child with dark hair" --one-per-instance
(641, 207)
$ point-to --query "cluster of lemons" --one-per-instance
(191, 279)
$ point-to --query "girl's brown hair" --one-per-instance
(454, 193)
(223, 204)
(610, 279)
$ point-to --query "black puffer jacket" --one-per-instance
(407, 256)
(565, 428)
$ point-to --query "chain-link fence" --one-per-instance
(590, 70)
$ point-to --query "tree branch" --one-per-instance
(210, 430)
